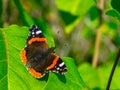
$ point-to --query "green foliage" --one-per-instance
(76, 7)
(13, 74)
(113, 13)
(3, 64)
(72, 12)
(115, 4)
(74, 26)
(25, 17)
(91, 78)
(72, 79)
(98, 79)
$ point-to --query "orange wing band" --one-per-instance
(34, 73)
(36, 39)
(23, 56)
(54, 63)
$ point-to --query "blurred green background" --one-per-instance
(74, 25)
(86, 30)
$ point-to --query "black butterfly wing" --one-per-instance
(57, 64)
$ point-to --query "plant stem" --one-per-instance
(97, 45)
(113, 69)
(98, 36)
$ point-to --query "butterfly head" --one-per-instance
(33, 27)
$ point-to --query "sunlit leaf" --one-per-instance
(78, 7)
(13, 73)
(74, 11)
(98, 78)
(89, 75)
(104, 73)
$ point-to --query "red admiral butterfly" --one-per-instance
(38, 57)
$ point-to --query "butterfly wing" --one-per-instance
(57, 65)
(31, 55)
(38, 57)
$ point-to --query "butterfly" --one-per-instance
(38, 57)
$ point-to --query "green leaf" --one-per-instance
(3, 64)
(70, 21)
(104, 73)
(72, 12)
(114, 14)
(89, 75)
(70, 18)
(116, 5)
(13, 74)
(78, 7)
(94, 13)
(117, 39)
(72, 80)
(17, 75)
(69, 28)
(97, 79)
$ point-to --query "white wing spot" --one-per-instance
(58, 68)
(61, 64)
(36, 26)
(38, 32)
(33, 33)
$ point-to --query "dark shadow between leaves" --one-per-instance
(68, 17)
(61, 77)
(44, 78)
